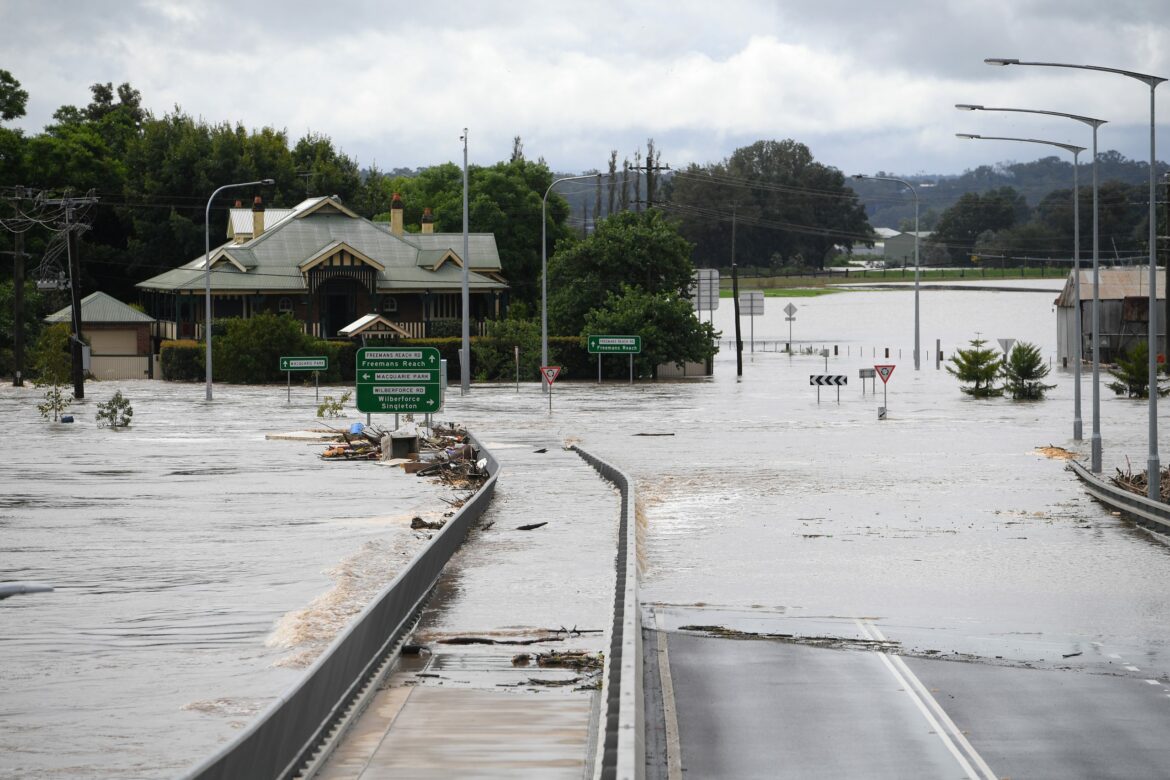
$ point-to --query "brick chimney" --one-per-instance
(257, 217)
(396, 214)
(428, 221)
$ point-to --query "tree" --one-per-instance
(640, 250)
(13, 99)
(979, 366)
(960, 226)
(787, 206)
(1023, 371)
(670, 331)
(1132, 375)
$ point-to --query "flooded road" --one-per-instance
(182, 547)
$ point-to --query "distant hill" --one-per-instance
(888, 204)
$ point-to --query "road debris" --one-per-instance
(1056, 453)
(531, 526)
(1138, 483)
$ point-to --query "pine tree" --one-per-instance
(1133, 373)
(1023, 370)
(978, 365)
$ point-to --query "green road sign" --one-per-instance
(615, 345)
(304, 363)
(398, 380)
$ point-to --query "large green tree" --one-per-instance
(789, 208)
(670, 331)
(961, 226)
(641, 250)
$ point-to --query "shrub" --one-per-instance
(52, 358)
(55, 402)
(494, 354)
(249, 350)
(115, 413)
(332, 407)
(182, 360)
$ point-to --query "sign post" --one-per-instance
(751, 304)
(398, 380)
(820, 380)
(614, 345)
(884, 372)
(790, 312)
(314, 364)
(550, 374)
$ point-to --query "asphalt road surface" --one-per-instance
(838, 698)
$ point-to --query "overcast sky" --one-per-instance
(866, 85)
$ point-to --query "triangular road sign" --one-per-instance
(550, 373)
(884, 372)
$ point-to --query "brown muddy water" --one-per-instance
(198, 565)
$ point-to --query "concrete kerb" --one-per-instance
(622, 752)
(1148, 513)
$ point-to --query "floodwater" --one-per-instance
(197, 564)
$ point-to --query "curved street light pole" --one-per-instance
(1076, 151)
(544, 272)
(1152, 466)
(207, 270)
(917, 353)
(1096, 317)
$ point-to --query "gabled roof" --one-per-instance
(101, 308)
(335, 247)
(372, 325)
(1116, 284)
(279, 259)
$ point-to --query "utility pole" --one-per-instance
(651, 169)
(735, 300)
(1165, 239)
(18, 302)
(73, 253)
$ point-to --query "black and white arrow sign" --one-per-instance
(828, 379)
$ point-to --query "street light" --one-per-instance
(544, 273)
(1153, 469)
(917, 356)
(1096, 435)
(207, 268)
(1076, 150)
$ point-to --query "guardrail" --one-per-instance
(285, 736)
(1144, 510)
(623, 753)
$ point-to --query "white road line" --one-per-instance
(926, 703)
(1154, 682)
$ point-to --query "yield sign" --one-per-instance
(1007, 345)
(550, 373)
(884, 372)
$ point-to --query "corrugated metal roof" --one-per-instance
(273, 258)
(99, 307)
(1116, 284)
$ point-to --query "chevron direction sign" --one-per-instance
(398, 380)
(828, 379)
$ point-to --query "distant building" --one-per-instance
(1124, 316)
(119, 337)
(324, 265)
(899, 249)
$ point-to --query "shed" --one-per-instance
(119, 337)
(1124, 301)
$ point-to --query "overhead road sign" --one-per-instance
(399, 380)
(618, 345)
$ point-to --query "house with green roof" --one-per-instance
(118, 335)
(326, 266)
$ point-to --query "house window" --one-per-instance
(389, 305)
(285, 305)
